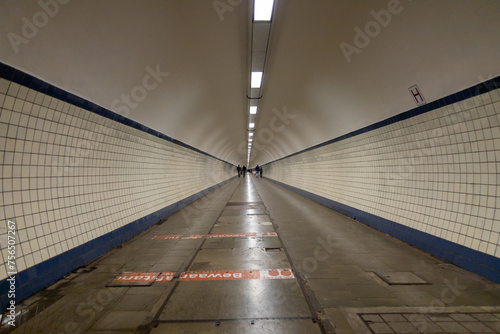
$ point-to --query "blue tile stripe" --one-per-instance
(9, 73)
(476, 90)
(36, 278)
(477, 262)
(43, 274)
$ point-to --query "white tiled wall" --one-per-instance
(437, 172)
(69, 175)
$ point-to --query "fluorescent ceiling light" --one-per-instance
(250, 140)
(251, 125)
(253, 110)
(263, 10)
(251, 134)
(256, 80)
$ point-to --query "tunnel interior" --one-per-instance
(117, 116)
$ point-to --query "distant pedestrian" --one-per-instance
(260, 170)
(239, 170)
(257, 171)
(244, 170)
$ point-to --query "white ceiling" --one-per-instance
(100, 50)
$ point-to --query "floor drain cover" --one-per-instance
(400, 278)
(243, 203)
(447, 266)
(272, 249)
(85, 270)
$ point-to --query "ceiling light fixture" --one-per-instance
(260, 32)
(263, 10)
(256, 80)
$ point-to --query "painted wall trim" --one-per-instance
(36, 278)
(9, 73)
(482, 264)
(467, 93)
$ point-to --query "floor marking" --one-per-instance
(215, 236)
(167, 237)
(135, 277)
(139, 277)
(276, 274)
(227, 275)
(165, 277)
(195, 236)
(131, 278)
(241, 223)
(242, 235)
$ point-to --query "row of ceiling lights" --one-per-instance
(260, 33)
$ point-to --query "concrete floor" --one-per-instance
(253, 257)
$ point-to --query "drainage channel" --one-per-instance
(271, 275)
(314, 306)
(176, 276)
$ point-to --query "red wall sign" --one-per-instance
(417, 95)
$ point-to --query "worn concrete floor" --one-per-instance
(253, 257)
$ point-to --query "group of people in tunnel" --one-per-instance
(243, 170)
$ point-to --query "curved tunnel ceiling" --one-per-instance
(180, 66)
